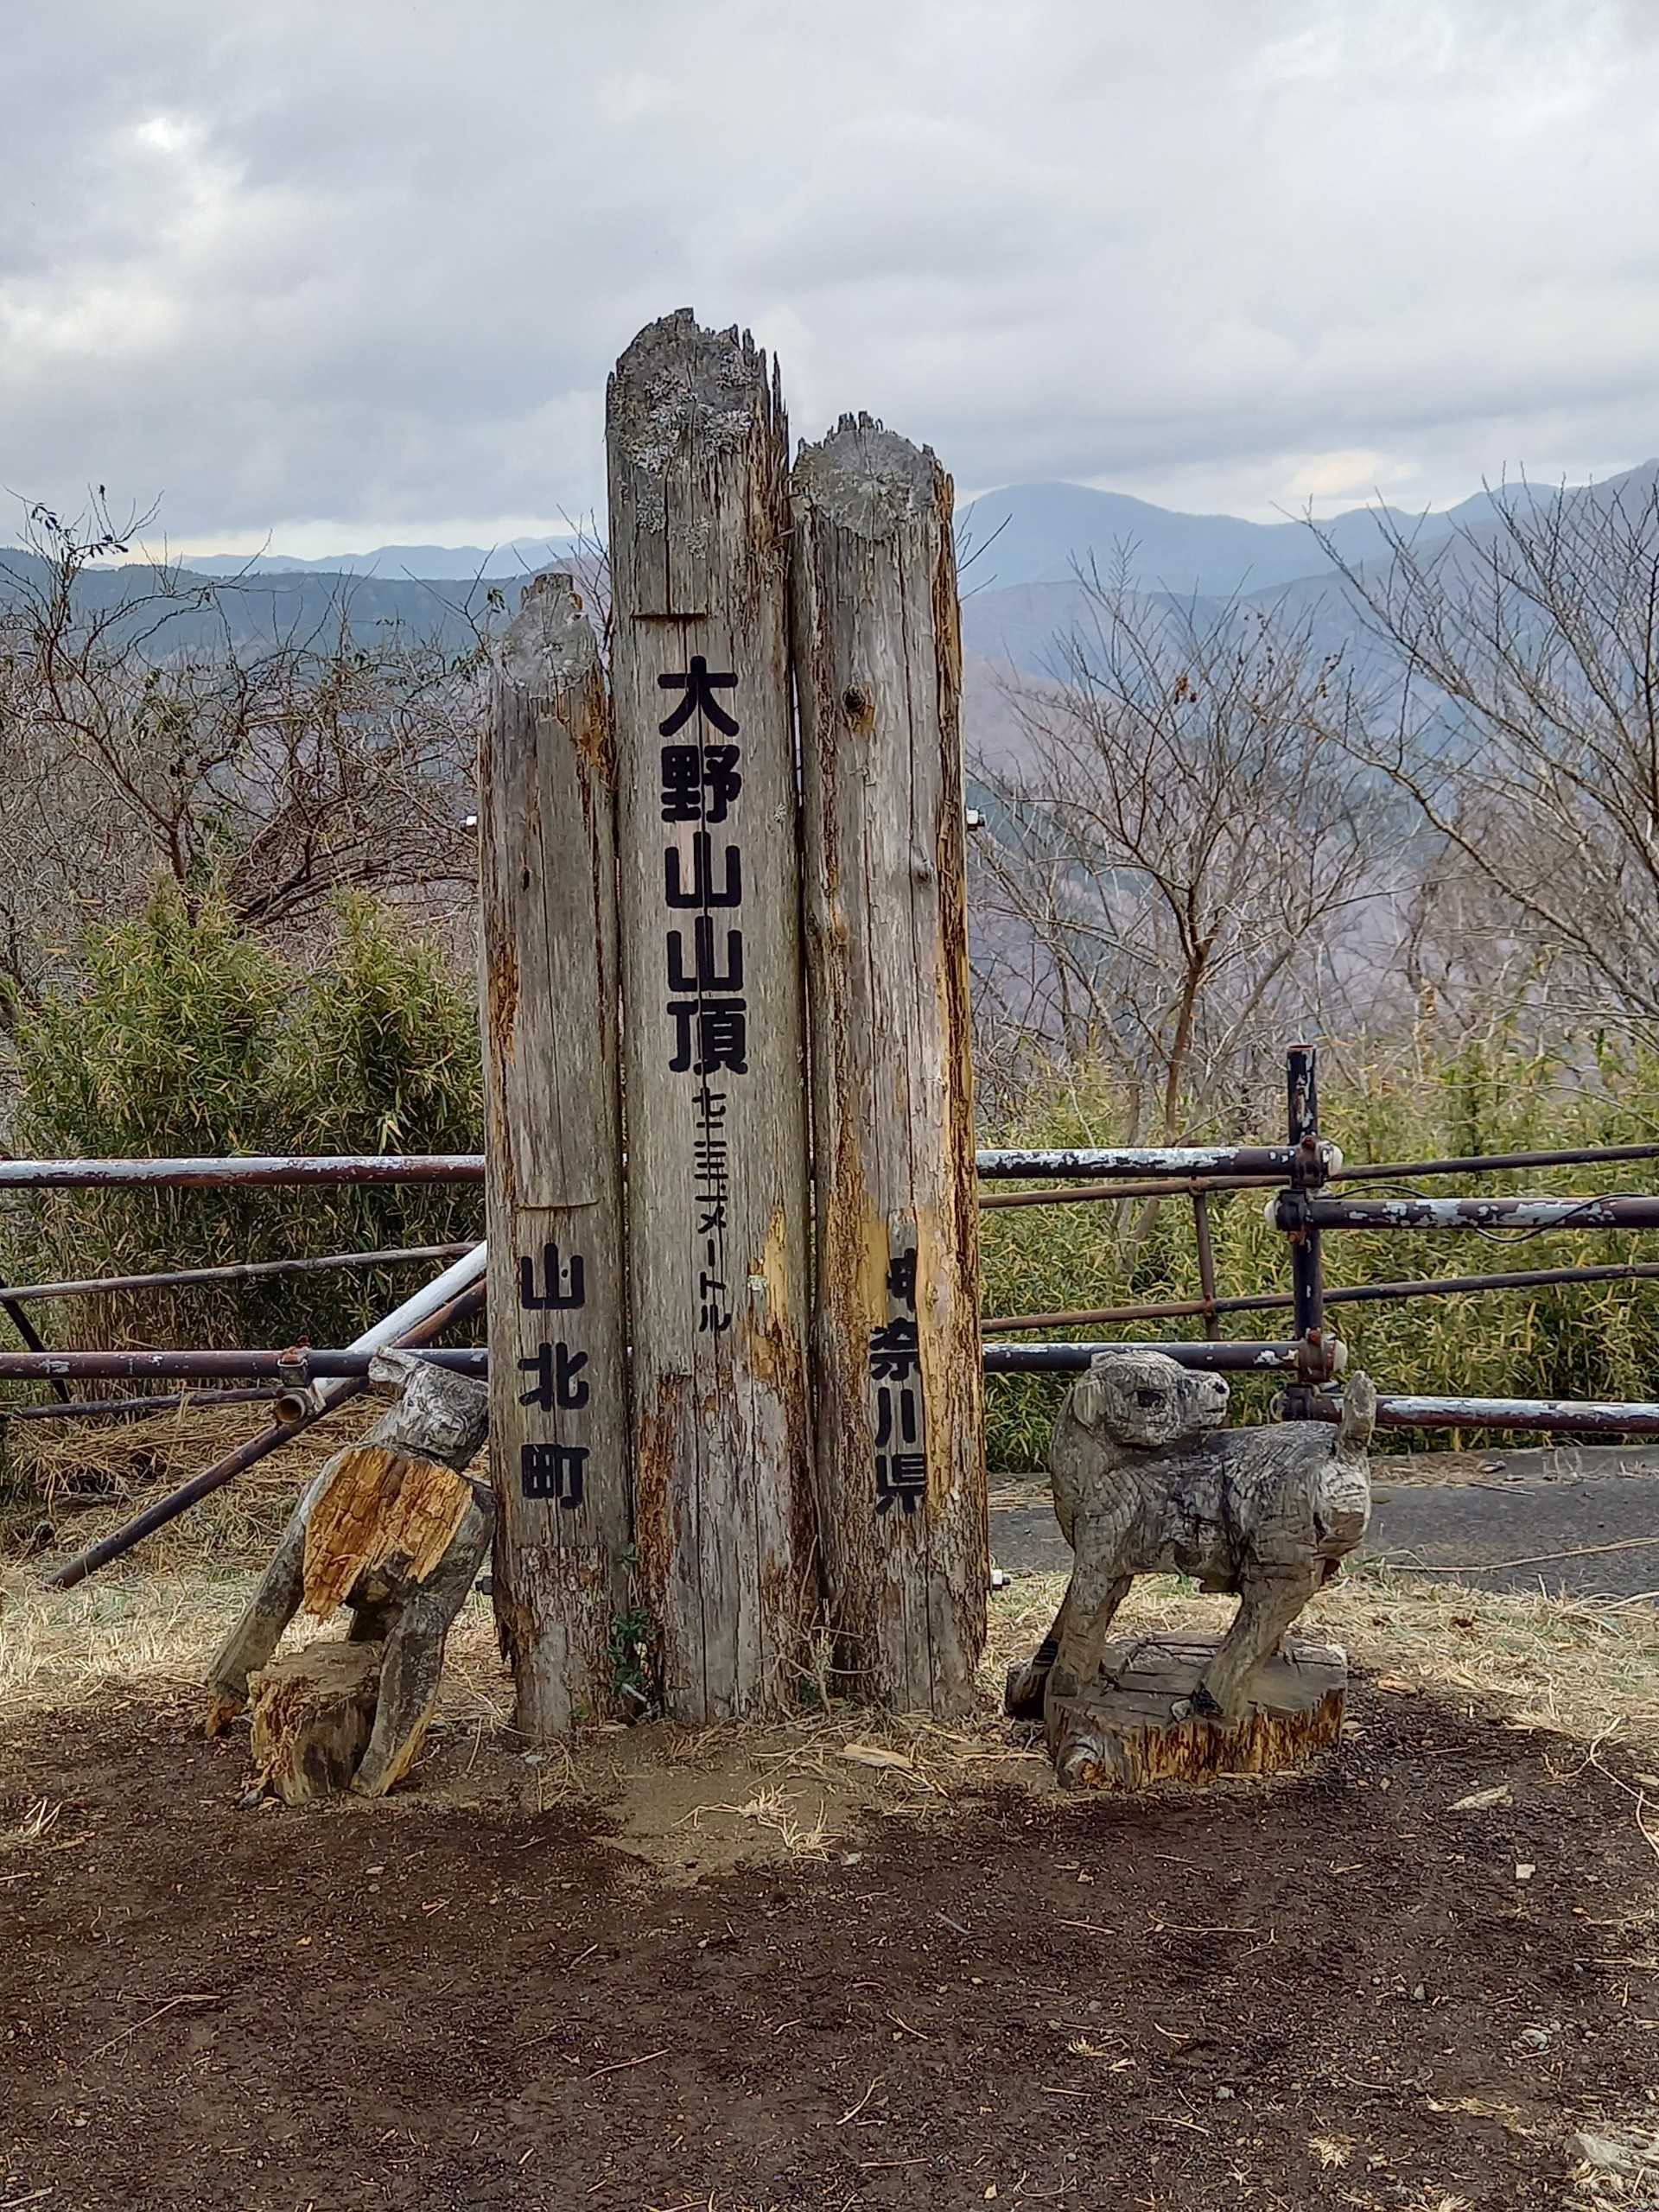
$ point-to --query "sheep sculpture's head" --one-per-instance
(1148, 1400)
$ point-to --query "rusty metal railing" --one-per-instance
(1303, 1173)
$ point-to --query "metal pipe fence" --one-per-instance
(168, 1401)
(235, 1271)
(1554, 1416)
(1294, 1214)
(1300, 1171)
(297, 1370)
(250, 1171)
(1360, 1293)
(1236, 1357)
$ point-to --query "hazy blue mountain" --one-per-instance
(297, 608)
(518, 557)
(1020, 593)
(1018, 623)
(1039, 533)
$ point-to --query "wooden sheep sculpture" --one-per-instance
(1146, 1481)
(393, 1530)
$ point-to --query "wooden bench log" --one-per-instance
(1118, 1732)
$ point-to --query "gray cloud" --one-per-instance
(362, 269)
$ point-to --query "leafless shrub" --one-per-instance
(1183, 858)
(1514, 701)
(148, 731)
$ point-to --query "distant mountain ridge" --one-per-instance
(1024, 546)
(1023, 534)
(517, 557)
(1021, 593)
(1040, 534)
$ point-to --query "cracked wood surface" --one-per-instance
(877, 673)
(548, 861)
(697, 451)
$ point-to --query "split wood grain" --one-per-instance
(1118, 1730)
(709, 875)
(877, 655)
(557, 1289)
(313, 1714)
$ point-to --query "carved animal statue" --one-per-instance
(394, 1530)
(1146, 1481)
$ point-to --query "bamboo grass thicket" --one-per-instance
(184, 1033)
(1585, 1341)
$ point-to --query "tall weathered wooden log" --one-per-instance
(900, 1441)
(558, 1327)
(713, 1017)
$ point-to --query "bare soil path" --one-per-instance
(1335, 1991)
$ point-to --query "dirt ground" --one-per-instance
(745, 1971)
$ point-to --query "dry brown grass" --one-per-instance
(128, 1636)
(150, 1626)
(686, 1802)
(1541, 1662)
(86, 1475)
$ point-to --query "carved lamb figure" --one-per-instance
(396, 1531)
(1146, 1481)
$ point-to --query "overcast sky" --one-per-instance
(339, 274)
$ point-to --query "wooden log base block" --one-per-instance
(1119, 1732)
(313, 1716)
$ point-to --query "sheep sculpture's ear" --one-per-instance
(1086, 1402)
(1206, 1400)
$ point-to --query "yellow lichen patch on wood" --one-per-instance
(771, 1344)
(379, 1506)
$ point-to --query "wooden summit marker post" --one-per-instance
(713, 1027)
(900, 1428)
(557, 1316)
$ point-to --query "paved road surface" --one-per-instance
(1496, 1516)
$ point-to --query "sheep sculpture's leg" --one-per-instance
(1096, 1591)
(413, 1665)
(1026, 1692)
(256, 1636)
(1266, 1607)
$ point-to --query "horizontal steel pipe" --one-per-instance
(1078, 1194)
(1489, 1163)
(171, 1401)
(1163, 1163)
(287, 1368)
(1068, 1359)
(233, 1173)
(332, 1365)
(1361, 1294)
(236, 1271)
(1106, 1317)
(1468, 1213)
(1560, 1416)
(455, 1296)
